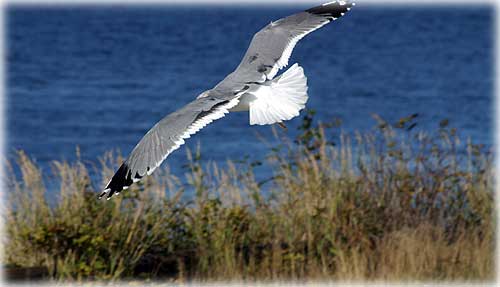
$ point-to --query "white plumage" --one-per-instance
(275, 101)
(252, 87)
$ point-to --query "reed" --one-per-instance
(391, 204)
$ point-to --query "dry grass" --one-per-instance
(392, 204)
(425, 252)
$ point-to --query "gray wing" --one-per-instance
(268, 52)
(272, 46)
(166, 136)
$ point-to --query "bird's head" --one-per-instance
(203, 95)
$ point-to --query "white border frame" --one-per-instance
(496, 125)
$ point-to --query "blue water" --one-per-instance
(100, 77)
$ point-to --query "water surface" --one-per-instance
(100, 77)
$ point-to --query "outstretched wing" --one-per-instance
(272, 46)
(166, 136)
(268, 52)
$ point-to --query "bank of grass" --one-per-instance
(393, 204)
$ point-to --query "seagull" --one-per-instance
(253, 87)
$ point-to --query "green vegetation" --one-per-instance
(391, 204)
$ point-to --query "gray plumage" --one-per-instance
(265, 55)
(268, 52)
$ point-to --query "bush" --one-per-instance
(393, 204)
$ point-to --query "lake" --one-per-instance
(100, 77)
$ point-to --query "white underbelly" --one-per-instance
(275, 101)
(247, 98)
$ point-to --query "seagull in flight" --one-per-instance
(253, 87)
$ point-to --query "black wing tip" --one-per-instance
(102, 194)
(120, 181)
(332, 10)
(110, 193)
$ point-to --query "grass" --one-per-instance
(392, 204)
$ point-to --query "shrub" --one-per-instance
(394, 203)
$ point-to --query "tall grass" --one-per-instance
(392, 204)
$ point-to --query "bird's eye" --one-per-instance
(202, 95)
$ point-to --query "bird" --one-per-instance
(254, 87)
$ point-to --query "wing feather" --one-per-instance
(271, 47)
(269, 51)
(165, 137)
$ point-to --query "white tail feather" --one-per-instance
(281, 100)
